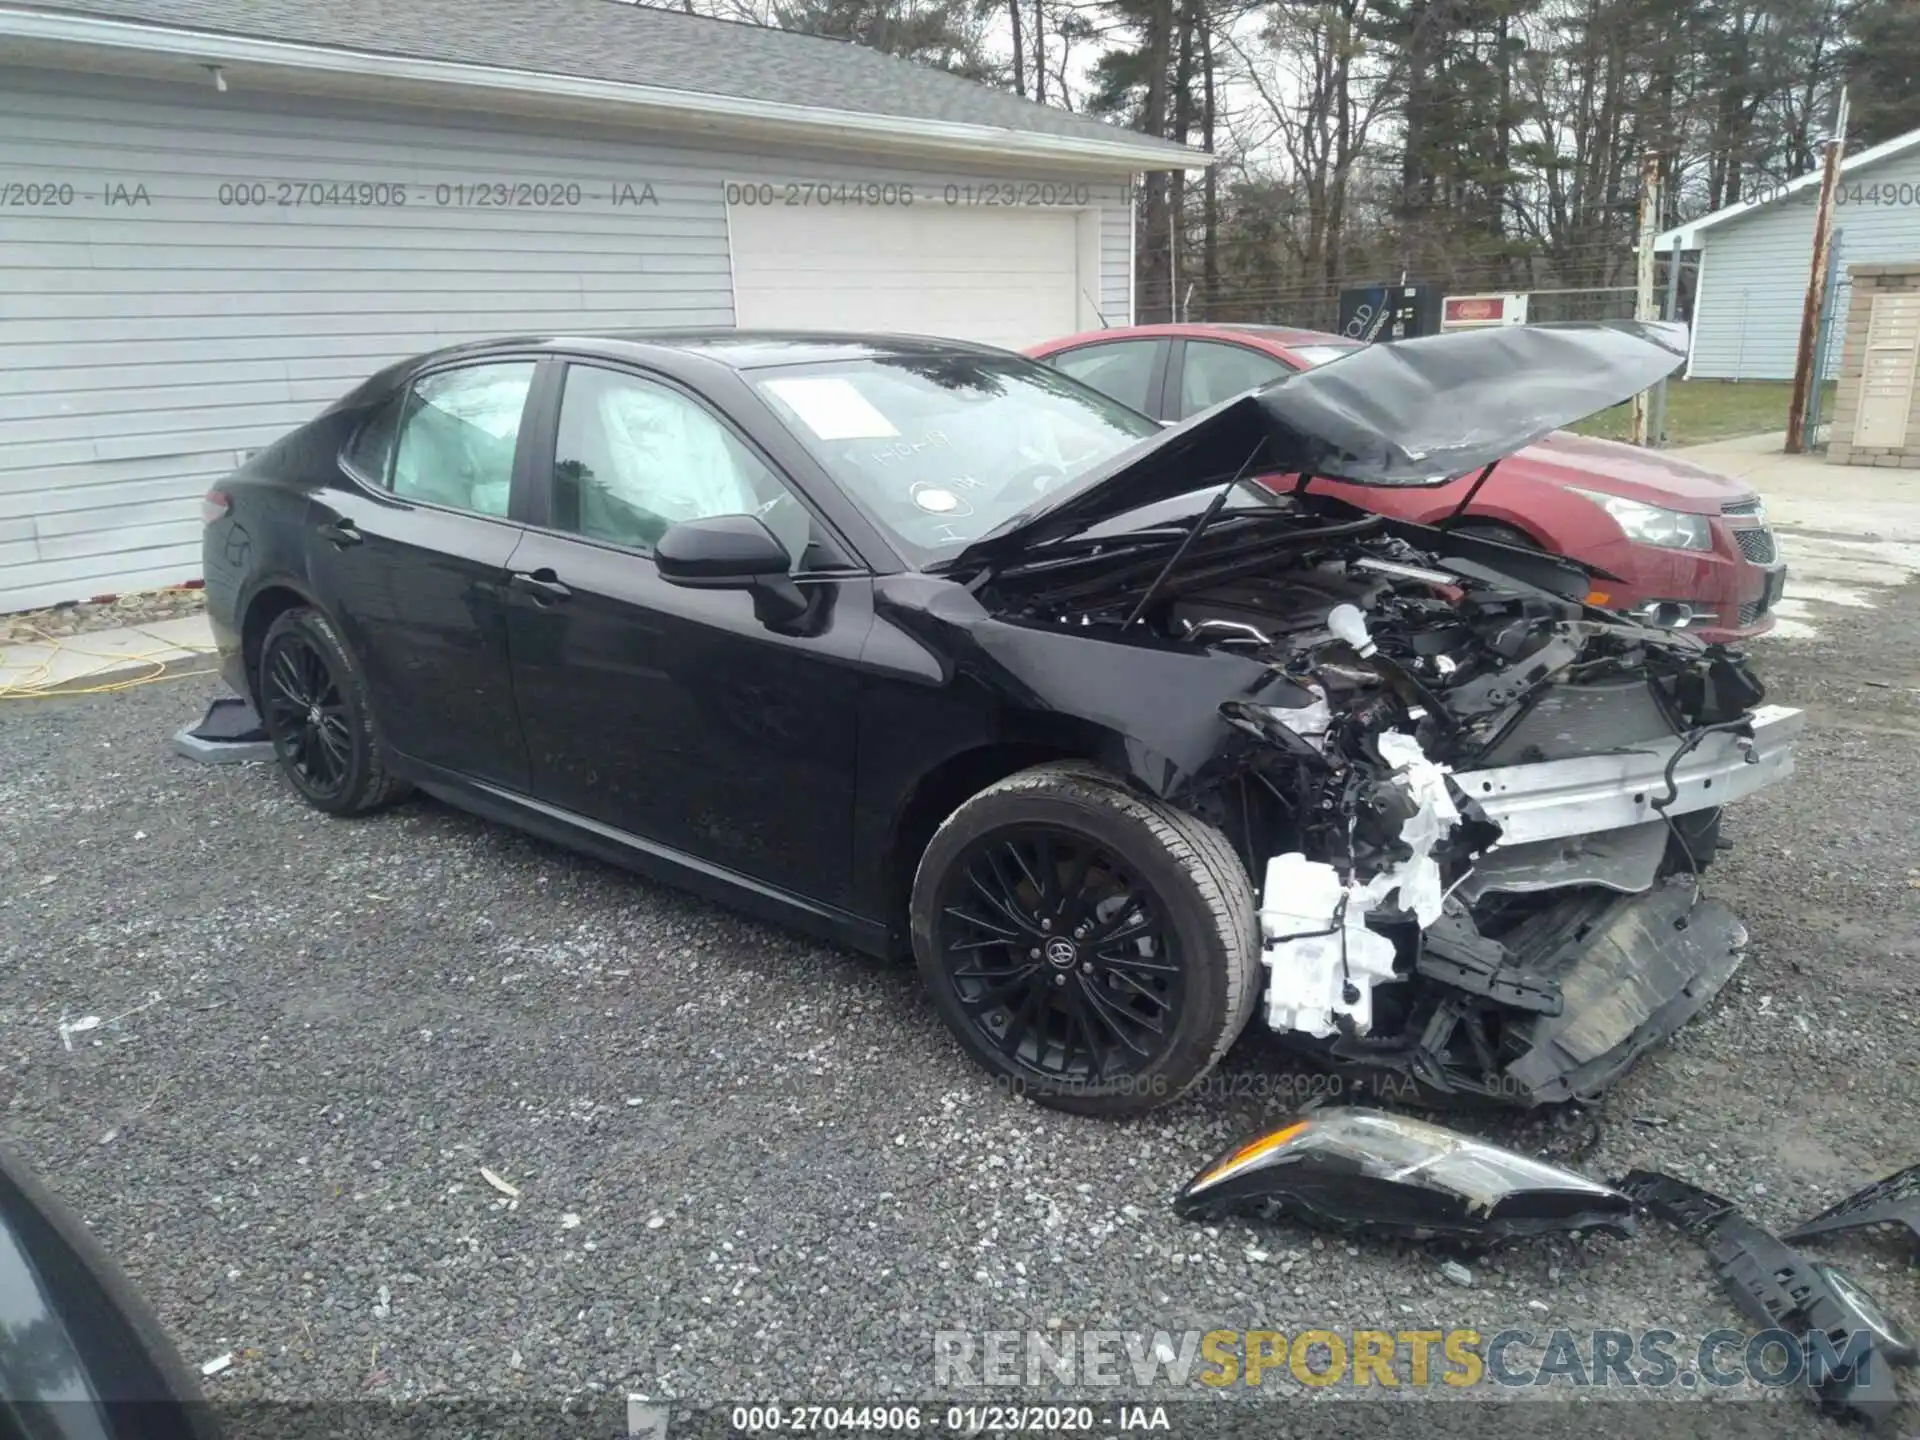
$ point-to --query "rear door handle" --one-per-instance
(341, 533)
(543, 585)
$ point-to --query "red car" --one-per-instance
(1692, 548)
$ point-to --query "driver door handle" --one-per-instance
(341, 533)
(543, 585)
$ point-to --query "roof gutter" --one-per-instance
(888, 131)
(1689, 234)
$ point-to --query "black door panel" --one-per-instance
(420, 599)
(676, 715)
(410, 538)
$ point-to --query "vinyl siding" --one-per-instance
(1116, 261)
(144, 350)
(1754, 271)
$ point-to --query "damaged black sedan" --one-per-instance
(1125, 734)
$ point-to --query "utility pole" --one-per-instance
(1803, 377)
(1643, 270)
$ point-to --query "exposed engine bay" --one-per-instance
(1478, 831)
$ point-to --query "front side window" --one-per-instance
(1120, 368)
(940, 449)
(633, 457)
(1214, 372)
(458, 435)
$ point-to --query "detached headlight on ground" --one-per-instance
(1651, 525)
(1352, 1167)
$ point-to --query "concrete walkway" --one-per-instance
(67, 663)
(1849, 533)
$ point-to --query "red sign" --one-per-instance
(1475, 309)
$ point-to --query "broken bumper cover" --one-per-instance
(1556, 1007)
(1552, 799)
(1848, 1342)
(1892, 1201)
(1580, 990)
(1626, 979)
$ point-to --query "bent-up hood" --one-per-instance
(1414, 412)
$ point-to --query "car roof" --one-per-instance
(1283, 336)
(1288, 335)
(739, 349)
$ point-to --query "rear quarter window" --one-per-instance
(371, 449)
(1120, 368)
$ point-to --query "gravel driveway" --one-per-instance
(749, 1165)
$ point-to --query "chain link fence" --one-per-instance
(1320, 309)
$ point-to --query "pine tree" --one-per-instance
(1883, 70)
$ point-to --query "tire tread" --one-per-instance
(1202, 851)
(378, 786)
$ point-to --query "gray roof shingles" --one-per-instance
(629, 44)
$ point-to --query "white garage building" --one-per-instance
(215, 218)
(1754, 258)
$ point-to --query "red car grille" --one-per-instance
(1756, 543)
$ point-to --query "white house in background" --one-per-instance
(1754, 259)
(217, 217)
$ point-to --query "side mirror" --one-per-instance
(720, 552)
(733, 552)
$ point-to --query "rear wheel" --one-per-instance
(1092, 948)
(314, 702)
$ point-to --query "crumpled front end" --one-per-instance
(1550, 956)
(1475, 808)
(1497, 891)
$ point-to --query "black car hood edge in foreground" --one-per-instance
(1414, 412)
(82, 1353)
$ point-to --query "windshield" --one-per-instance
(940, 449)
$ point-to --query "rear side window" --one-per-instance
(371, 452)
(458, 435)
(1120, 368)
(1213, 373)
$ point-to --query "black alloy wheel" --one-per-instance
(1093, 948)
(1060, 955)
(307, 716)
(314, 702)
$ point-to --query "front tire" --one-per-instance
(1092, 948)
(314, 702)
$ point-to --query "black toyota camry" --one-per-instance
(1124, 732)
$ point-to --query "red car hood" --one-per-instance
(1564, 458)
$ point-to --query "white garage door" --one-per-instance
(1001, 276)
